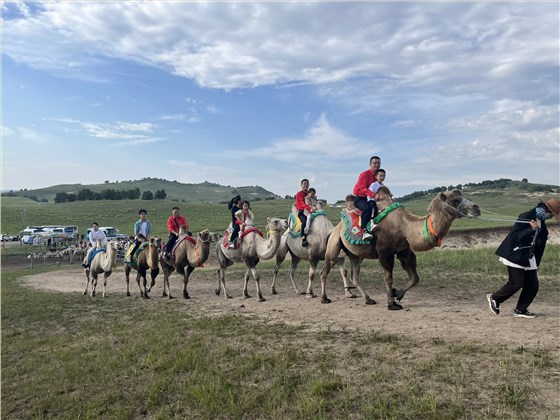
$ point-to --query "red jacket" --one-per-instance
(174, 224)
(361, 189)
(300, 201)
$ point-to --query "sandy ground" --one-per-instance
(430, 314)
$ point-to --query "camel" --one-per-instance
(148, 258)
(319, 231)
(399, 234)
(103, 262)
(187, 255)
(252, 249)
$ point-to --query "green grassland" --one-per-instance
(69, 356)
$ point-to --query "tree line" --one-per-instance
(109, 194)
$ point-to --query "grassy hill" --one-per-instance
(203, 192)
(19, 212)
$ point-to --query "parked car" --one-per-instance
(27, 239)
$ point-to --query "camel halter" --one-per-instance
(457, 210)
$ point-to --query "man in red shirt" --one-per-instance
(362, 192)
(173, 224)
(301, 206)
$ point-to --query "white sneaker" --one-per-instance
(367, 235)
(306, 231)
(373, 225)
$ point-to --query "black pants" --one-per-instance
(303, 219)
(235, 232)
(367, 208)
(170, 242)
(519, 279)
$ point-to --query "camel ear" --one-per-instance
(442, 197)
(268, 219)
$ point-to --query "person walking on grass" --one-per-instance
(521, 252)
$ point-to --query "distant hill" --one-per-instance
(175, 191)
(503, 184)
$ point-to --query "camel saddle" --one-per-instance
(353, 231)
(225, 240)
(134, 258)
(179, 240)
(294, 223)
(93, 254)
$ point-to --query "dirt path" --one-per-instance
(430, 314)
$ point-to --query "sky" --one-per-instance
(268, 93)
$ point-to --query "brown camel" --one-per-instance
(148, 258)
(103, 262)
(319, 231)
(252, 249)
(398, 234)
(187, 256)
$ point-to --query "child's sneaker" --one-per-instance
(367, 235)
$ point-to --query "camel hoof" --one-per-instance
(171, 297)
(186, 296)
(311, 296)
(128, 294)
(273, 292)
(394, 306)
(246, 296)
(146, 296)
(261, 299)
(228, 297)
(370, 301)
(349, 295)
(326, 300)
(300, 293)
(217, 291)
(85, 293)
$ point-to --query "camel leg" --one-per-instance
(256, 276)
(167, 270)
(344, 274)
(93, 283)
(408, 263)
(127, 270)
(246, 294)
(141, 275)
(222, 281)
(312, 269)
(280, 257)
(153, 274)
(186, 281)
(356, 268)
(105, 277)
(387, 261)
(87, 282)
(292, 273)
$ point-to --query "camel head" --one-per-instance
(276, 224)
(155, 241)
(204, 236)
(320, 205)
(113, 245)
(454, 204)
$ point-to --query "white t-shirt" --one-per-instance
(95, 235)
(144, 228)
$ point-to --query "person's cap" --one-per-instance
(554, 206)
(142, 211)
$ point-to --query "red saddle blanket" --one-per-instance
(353, 226)
(225, 241)
(179, 240)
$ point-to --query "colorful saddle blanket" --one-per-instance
(178, 242)
(94, 253)
(225, 240)
(353, 223)
(294, 223)
(353, 227)
(133, 259)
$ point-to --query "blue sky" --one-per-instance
(269, 93)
